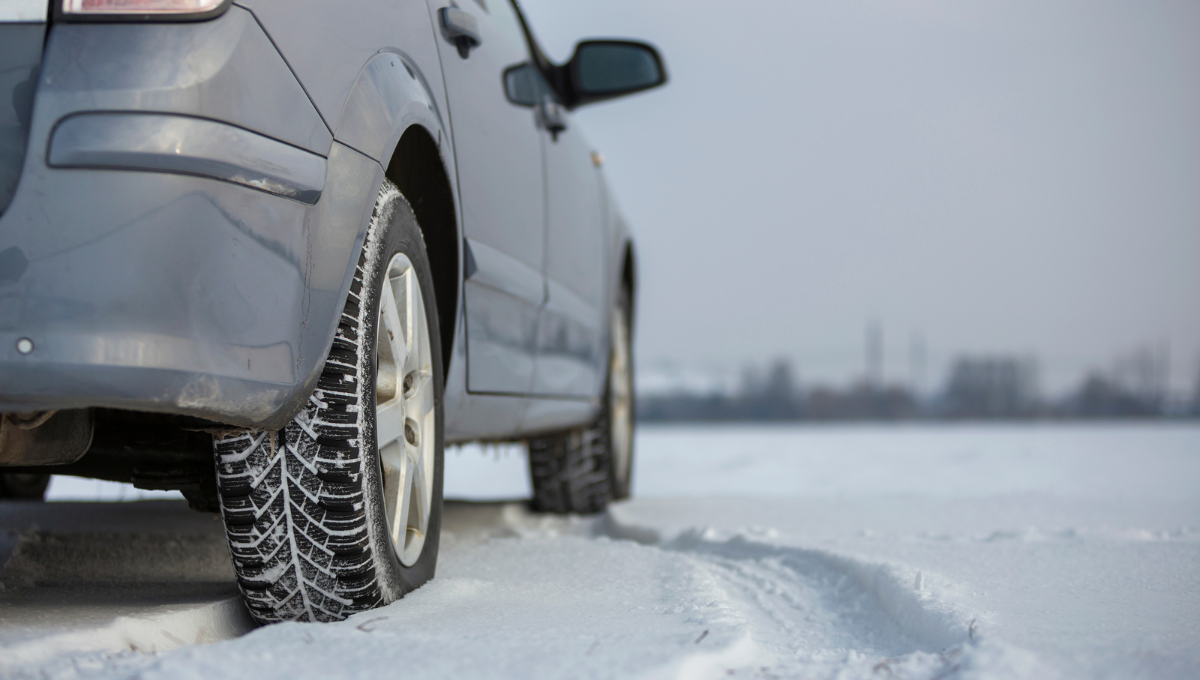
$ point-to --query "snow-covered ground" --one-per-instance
(1011, 551)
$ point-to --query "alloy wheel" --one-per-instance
(404, 409)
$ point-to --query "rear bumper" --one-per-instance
(162, 253)
(153, 292)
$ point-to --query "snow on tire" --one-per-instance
(306, 509)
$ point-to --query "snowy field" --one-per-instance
(1010, 551)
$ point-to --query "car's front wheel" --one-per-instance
(341, 510)
(581, 470)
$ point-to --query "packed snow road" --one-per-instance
(1008, 552)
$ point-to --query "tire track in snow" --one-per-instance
(816, 613)
(520, 595)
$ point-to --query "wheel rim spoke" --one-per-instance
(399, 524)
(405, 413)
(416, 502)
(389, 420)
(392, 459)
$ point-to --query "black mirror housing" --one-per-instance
(607, 69)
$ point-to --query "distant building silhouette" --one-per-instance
(1195, 397)
(977, 387)
(862, 402)
(1143, 375)
(773, 397)
(874, 348)
(990, 387)
(916, 366)
(1102, 397)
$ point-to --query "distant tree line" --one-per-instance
(1000, 388)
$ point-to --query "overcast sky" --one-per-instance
(995, 176)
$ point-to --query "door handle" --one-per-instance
(461, 28)
(551, 116)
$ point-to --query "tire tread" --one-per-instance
(293, 503)
(570, 470)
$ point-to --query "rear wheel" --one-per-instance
(340, 511)
(581, 470)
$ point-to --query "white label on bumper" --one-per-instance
(23, 10)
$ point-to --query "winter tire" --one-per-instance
(581, 470)
(340, 511)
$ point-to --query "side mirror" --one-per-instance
(605, 69)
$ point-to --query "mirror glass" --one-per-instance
(521, 84)
(525, 86)
(604, 67)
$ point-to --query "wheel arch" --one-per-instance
(392, 116)
(416, 168)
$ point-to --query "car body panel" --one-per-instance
(179, 285)
(501, 185)
(20, 60)
(165, 292)
(388, 96)
(225, 69)
(568, 351)
(328, 43)
(188, 146)
(503, 296)
(546, 414)
(190, 296)
(570, 360)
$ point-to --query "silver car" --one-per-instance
(312, 243)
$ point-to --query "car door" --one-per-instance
(570, 346)
(500, 176)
